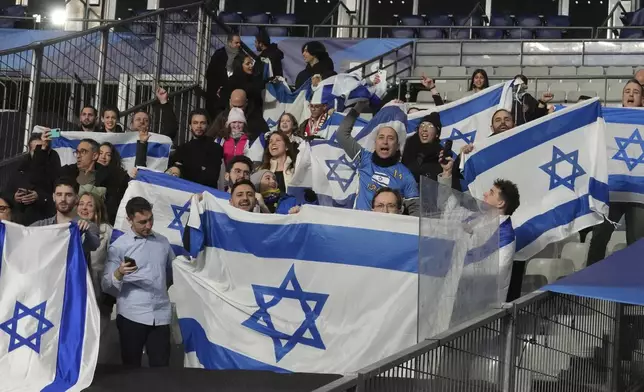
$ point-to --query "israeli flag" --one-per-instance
(125, 143)
(49, 320)
(289, 302)
(558, 162)
(279, 99)
(170, 199)
(322, 165)
(625, 150)
(468, 120)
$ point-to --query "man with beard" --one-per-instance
(200, 159)
(502, 121)
(243, 195)
(65, 200)
(88, 118)
(239, 168)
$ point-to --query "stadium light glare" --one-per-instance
(59, 17)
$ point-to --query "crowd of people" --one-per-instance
(135, 270)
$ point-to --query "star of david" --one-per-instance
(550, 168)
(311, 303)
(32, 341)
(333, 165)
(468, 137)
(178, 212)
(622, 154)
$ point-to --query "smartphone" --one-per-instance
(22, 191)
(54, 133)
(130, 261)
(447, 151)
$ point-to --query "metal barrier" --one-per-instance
(118, 64)
(398, 63)
(251, 28)
(543, 341)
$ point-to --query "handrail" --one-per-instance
(215, 18)
(78, 34)
(380, 56)
(609, 17)
(264, 25)
(339, 4)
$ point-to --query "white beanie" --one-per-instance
(236, 114)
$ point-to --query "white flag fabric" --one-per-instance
(624, 130)
(170, 199)
(309, 292)
(279, 99)
(125, 143)
(468, 119)
(49, 319)
(558, 162)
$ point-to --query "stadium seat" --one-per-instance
(173, 20)
(282, 19)
(412, 20)
(554, 21)
(15, 10)
(573, 96)
(430, 72)
(496, 21)
(402, 32)
(489, 70)
(619, 71)
(425, 96)
(525, 21)
(429, 33)
(508, 72)
(452, 96)
(532, 283)
(617, 242)
(448, 86)
(532, 72)
(614, 93)
(466, 21)
(616, 248)
(577, 252)
(596, 88)
(228, 18)
(262, 19)
(453, 71)
(590, 71)
(551, 269)
(435, 20)
(563, 71)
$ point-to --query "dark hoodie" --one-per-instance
(200, 160)
(275, 55)
(324, 67)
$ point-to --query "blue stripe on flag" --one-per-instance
(2, 234)
(498, 153)
(155, 150)
(468, 109)
(171, 182)
(624, 183)
(560, 215)
(325, 243)
(73, 318)
(623, 116)
(283, 94)
(215, 357)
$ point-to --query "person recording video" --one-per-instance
(525, 107)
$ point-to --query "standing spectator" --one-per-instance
(200, 159)
(319, 114)
(254, 118)
(379, 168)
(33, 183)
(243, 78)
(117, 178)
(279, 158)
(238, 168)
(6, 207)
(423, 147)
(110, 119)
(528, 108)
(65, 200)
(288, 125)
(235, 140)
(88, 119)
(219, 69)
(317, 62)
(138, 273)
(269, 51)
(243, 195)
(479, 81)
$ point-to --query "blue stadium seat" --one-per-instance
(412, 20)
(402, 32)
(262, 19)
(554, 21)
(431, 33)
(436, 20)
(627, 20)
(281, 19)
(230, 17)
(466, 21)
(171, 24)
(496, 21)
(15, 10)
(525, 21)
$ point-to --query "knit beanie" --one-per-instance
(435, 119)
(256, 178)
(236, 114)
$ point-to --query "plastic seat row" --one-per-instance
(14, 11)
(262, 19)
(530, 72)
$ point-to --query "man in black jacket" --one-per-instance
(219, 69)
(201, 158)
(270, 51)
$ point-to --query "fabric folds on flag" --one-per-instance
(125, 143)
(49, 319)
(558, 163)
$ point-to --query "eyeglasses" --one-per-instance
(81, 152)
(382, 207)
(4, 209)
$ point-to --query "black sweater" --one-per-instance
(200, 161)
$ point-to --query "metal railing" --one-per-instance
(398, 63)
(543, 341)
(250, 28)
(118, 64)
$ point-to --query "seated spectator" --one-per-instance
(388, 201)
(242, 195)
(423, 147)
(174, 171)
(6, 207)
(235, 140)
(243, 78)
(200, 159)
(33, 183)
(238, 168)
(317, 62)
(117, 179)
(279, 158)
(219, 68)
(268, 192)
(479, 81)
(381, 168)
(269, 51)
(529, 109)
(89, 119)
(109, 120)
(254, 118)
(65, 199)
(138, 273)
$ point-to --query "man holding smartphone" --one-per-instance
(138, 273)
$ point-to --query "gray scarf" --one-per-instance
(232, 53)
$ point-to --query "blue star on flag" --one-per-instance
(32, 341)
(622, 145)
(311, 303)
(179, 211)
(550, 168)
(468, 137)
(333, 165)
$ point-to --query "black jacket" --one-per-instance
(528, 110)
(36, 173)
(252, 84)
(200, 161)
(324, 67)
(275, 55)
(216, 77)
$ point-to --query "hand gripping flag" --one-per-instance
(558, 162)
(125, 144)
(49, 319)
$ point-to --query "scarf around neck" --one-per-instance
(232, 53)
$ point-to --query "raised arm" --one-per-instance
(346, 141)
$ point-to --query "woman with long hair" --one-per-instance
(289, 126)
(318, 62)
(479, 81)
(117, 179)
(243, 78)
(279, 158)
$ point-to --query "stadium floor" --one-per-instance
(115, 378)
